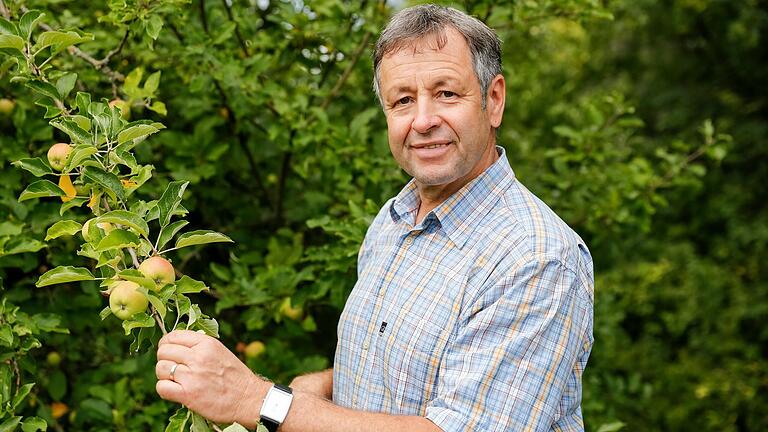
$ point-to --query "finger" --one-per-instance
(175, 353)
(163, 369)
(186, 338)
(170, 390)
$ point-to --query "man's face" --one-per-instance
(438, 131)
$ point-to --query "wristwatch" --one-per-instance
(275, 406)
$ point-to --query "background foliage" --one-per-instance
(641, 122)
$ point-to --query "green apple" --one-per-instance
(292, 312)
(104, 226)
(57, 155)
(123, 106)
(159, 270)
(53, 358)
(6, 106)
(125, 299)
(255, 349)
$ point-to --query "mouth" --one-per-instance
(430, 145)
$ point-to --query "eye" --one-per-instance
(403, 101)
(448, 94)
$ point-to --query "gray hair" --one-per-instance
(410, 25)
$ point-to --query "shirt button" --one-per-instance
(408, 241)
(365, 346)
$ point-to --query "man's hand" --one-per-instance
(319, 384)
(209, 379)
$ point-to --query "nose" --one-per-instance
(426, 117)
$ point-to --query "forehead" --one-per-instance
(446, 51)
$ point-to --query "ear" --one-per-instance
(497, 93)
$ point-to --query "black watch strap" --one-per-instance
(268, 423)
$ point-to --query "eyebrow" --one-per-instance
(441, 81)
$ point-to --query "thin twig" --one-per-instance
(4, 10)
(243, 46)
(347, 72)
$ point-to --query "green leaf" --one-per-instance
(6, 335)
(63, 274)
(199, 424)
(41, 189)
(58, 40)
(118, 239)
(208, 325)
(28, 22)
(19, 245)
(73, 129)
(34, 424)
(138, 277)
(125, 218)
(11, 41)
(201, 237)
(36, 166)
(170, 200)
(131, 84)
(235, 427)
(154, 25)
(139, 320)
(138, 132)
(152, 83)
(178, 421)
(105, 313)
(61, 228)
(21, 393)
(83, 101)
(75, 202)
(65, 84)
(167, 233)
(159, 107)
(158, 304)
(106, 179)
(187, 285)
(611, 427)
(79, 153)
(44, 89)
(10, 424)
(8, 28)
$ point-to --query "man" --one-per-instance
(473, 306)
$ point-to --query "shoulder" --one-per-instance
(521, 229)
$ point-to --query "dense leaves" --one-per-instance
(642, 123)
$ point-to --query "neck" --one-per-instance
(432, 196)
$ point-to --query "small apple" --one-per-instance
(159, 270)
(57, 155)
(65, 183)
(123, 106)
(255, 349)
(126, 300)
(53, 358)
(104, 226)
(58, 409)
(6, 106)
(240, 347)
(292, 312)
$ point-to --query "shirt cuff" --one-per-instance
(447, 420)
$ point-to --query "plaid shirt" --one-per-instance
(478, 318)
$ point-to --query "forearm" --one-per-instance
(310, 413)
(317, 383)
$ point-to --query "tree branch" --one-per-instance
(243, 46)
(347, 72)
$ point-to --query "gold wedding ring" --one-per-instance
(173, 371)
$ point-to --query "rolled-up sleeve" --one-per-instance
(516, 361)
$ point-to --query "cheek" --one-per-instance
(397, 129)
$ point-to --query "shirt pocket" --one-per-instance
(411, 355)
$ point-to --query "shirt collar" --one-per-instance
(459, 213)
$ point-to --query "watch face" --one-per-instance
(276, 405)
